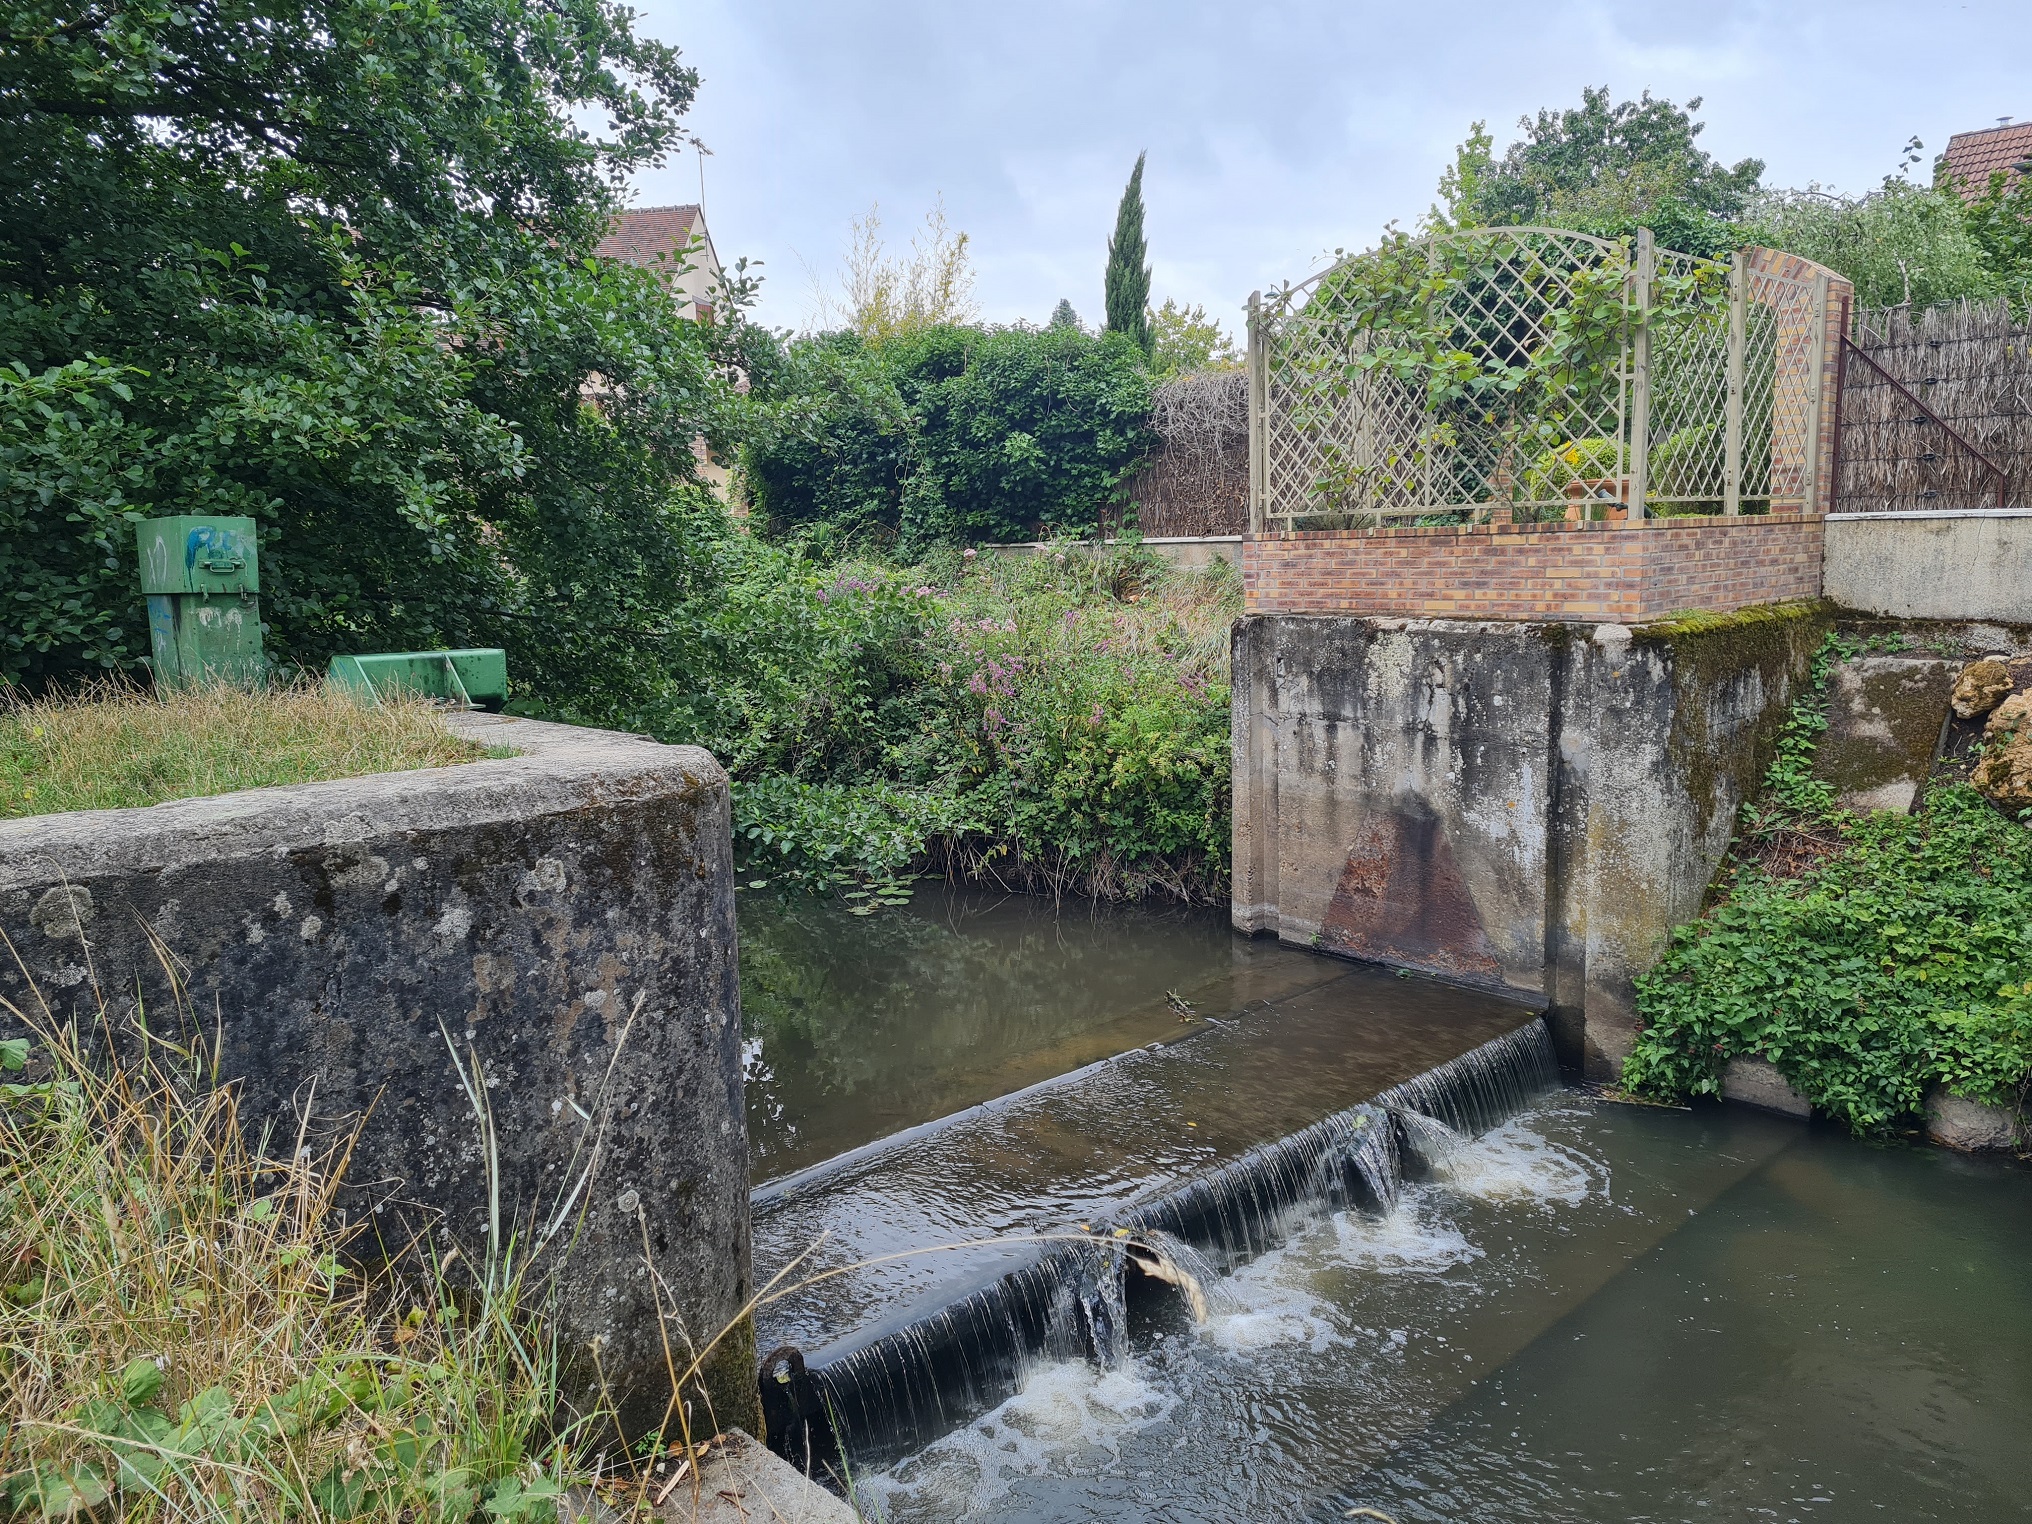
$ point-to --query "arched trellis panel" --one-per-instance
(1543, 375)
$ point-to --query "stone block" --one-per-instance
(560, 923)
(1957, 1122)
(1756, 1082)
(1526, 806)
(1884, 721)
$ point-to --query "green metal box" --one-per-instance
(471, 679)
(201, 575)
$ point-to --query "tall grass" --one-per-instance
(182, 1338)
(114, 746)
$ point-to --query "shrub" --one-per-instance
(947, 435)
(1900, 958)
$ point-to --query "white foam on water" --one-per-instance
(1064, 1419)
(1518, 1163)
(1275, 1303)
(1409, 1239)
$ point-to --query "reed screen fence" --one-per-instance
(1936, 410)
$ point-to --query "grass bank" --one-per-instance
(193, 1328)
(1056, 722)
(1868, 957)
(112, 747)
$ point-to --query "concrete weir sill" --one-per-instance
(565, 915)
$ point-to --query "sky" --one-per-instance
(1276, 132)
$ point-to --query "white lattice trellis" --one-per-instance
(1543, 372)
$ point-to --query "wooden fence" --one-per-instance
(1936, 410)
(1931, 403)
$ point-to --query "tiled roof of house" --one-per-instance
(1972, 157)
(655, 236)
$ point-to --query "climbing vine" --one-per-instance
(1868, 957)
(1509, 347)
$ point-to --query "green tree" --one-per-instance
(329, 264)
(1184, 338)
(1902, 243)
(1127, 282)
(1062, 316)
(2000, 223)
(1602, 168)
(947, 435)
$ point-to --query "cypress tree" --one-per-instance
(1127, 284)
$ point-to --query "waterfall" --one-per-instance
(888, 1392)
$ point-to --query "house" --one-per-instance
(1972, 157)
(673, 241)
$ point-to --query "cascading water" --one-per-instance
(892, 1392)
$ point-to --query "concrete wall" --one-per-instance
(1527, 806)
(539, 909)
(1972, 564)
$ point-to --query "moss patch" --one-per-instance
(1706, 653)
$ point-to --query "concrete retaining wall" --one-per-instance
(1528, 806)
(566, 916)
(1974, 564)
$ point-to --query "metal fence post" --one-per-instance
(1739, 324)
(1259, 399)
(1810, 499)
(1640, 390)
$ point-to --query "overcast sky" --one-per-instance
(1276, 131)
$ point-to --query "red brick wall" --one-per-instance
(1611, 573)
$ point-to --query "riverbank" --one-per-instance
(1877, 959)
(1055, 724)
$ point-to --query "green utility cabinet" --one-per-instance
(469, 679)
(202, 580)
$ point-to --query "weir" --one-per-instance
(884, 1392)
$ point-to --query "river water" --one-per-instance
(1594, 1311)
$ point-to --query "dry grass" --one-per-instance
(181, 1339)
(115, 746)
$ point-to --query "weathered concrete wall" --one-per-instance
(1955, 565)
(566, 915)
(1529, 806)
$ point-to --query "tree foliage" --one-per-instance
(1126, 282)
(1902, 243)
(947, 435)
(886, 296)
(1602, 168)
(1185, 339)
(328, 264)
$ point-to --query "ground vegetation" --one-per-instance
(115, 746)
(1868, 957)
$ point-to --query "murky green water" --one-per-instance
(859, 1027)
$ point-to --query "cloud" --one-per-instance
(1275, 132)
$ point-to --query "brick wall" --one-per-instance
(1610, 573)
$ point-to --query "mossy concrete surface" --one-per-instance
(554, 928)
(1525, 806)
(1884, 721)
